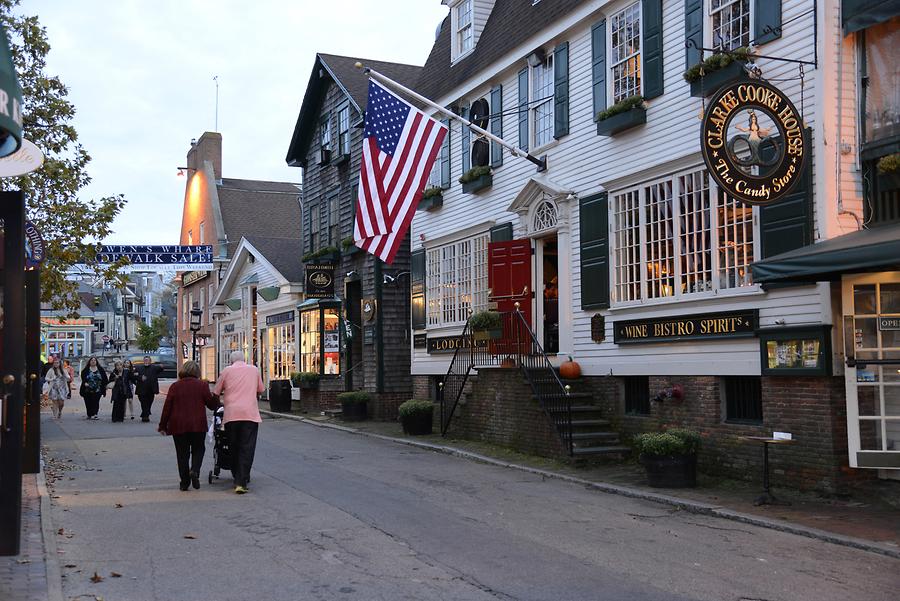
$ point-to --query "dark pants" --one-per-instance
(92, 404)
(189, 448)
(242, 440)
(146, 403)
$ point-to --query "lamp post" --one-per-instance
(196, 318)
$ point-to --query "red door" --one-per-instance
(509, 276)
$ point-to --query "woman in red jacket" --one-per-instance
(184, 417)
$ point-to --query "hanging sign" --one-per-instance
(320, 281)
(35, 251)
(193, 276)
(753, 142)
(705, 326)
(279, 318)
(449, 344)
(26, 159)
(177, 257)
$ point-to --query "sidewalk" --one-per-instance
(870, 520)
(24, 577)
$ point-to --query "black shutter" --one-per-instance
(445, 157)
(466, 154)
(598, 66)
(496, 125)
(693, 32)
(651, 11)
(502, 232)
(561, 90)
(787, 224)
(767, 21)
(417, 289)
(523, 109)
(593, 224)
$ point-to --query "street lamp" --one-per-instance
(196, 318)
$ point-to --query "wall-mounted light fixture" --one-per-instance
(182, 171)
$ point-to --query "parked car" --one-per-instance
(168, 363)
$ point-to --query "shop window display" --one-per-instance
(320, 340)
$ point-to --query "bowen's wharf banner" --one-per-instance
(196, 257)
(705, 326)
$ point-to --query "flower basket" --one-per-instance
(477, 184)
(709, 83)
(431, 202)
(622, 121)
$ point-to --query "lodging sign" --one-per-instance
(753, 142)
(320, 280)
(705, 326)
(177, 257)
(449, 344)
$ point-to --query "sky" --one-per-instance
(140, 74)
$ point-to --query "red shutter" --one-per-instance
(509, 275)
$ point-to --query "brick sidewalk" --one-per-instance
(24, 577)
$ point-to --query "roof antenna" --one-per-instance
(216, 79)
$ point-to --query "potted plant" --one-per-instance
(889, 172)
(570, 370)
(716, 71)
(328, 254)
(348, 247)
(625, 114)
(485, 325)
(416, 417)
(354, 405)
(475, 179)
(305, 380)
(669, 458)
(295, 385)
(432, 198)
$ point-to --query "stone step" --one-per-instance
(574, 396)
(601, 450)
(608, 436)
(590, 423)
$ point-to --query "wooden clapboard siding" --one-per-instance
(585, 162)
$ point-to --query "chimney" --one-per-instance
(207, 148)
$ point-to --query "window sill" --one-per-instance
(748, 291)
(743, 422)
(543, 149)
(460, 57)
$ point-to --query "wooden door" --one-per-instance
(509, 276)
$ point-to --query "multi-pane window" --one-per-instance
(314, 227)
(465, 34)
(434, 178)
(542, 103)
(344, 131)
(743, 399)
(456, 280)
(325, 133)
(334, 220)
(679, 236)
(202, 232)
(625, 52)
(730, 23)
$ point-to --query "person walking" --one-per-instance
(57, 381)
(128, 367)
(93, 387)
(120, 382)
(238, 388)
(147, 385)
(184, 418)
(67, 365)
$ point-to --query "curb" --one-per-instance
(48, 533)
(696, 507)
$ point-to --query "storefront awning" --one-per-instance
(876, 249)
(860, 14)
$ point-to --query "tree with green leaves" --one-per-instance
(70, 225)
(148, 336)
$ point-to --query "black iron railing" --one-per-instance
(513, 344)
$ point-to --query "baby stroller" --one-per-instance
(221, 451)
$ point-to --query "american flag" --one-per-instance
(400, 144)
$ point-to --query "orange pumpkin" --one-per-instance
(570, 370)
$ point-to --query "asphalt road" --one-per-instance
(337, 516)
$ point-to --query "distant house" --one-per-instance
(219, 211)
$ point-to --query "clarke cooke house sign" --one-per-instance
(320, 280)
(753, 142)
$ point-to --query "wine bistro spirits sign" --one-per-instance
(753, 142)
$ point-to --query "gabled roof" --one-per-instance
(353, 82)
(510, 24)
(259, 208)
(283, 254)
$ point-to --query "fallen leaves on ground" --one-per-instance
(119, 506)
(115, 575)
(96, 578)
(70, 565)
(190, 536)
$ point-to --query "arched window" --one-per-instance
(545, 217)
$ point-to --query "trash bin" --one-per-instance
(280, 395)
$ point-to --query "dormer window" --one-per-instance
(463, 21)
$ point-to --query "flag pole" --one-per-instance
(541, 163)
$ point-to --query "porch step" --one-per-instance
(575, 396)
(607, 437)
(601, 450)
(332, 412)
(590, 423)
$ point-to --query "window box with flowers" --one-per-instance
(475, 179)
(432, 198)
(621, 116)
(329, 254)
(716, 71)
(348, 247)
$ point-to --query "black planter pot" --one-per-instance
(622, 121)
(417, 424)
(305, 385)
(709, 84)
(354, 412)
(475, 185)
(435, 201)
(679, 471)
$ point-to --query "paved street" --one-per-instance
(337, 516)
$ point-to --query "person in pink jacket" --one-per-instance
(238, 389)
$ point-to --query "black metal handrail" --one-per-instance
(512, 344)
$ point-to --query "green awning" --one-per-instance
(11, 113)
(860, 14)
(876, 249)
(233, 303)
